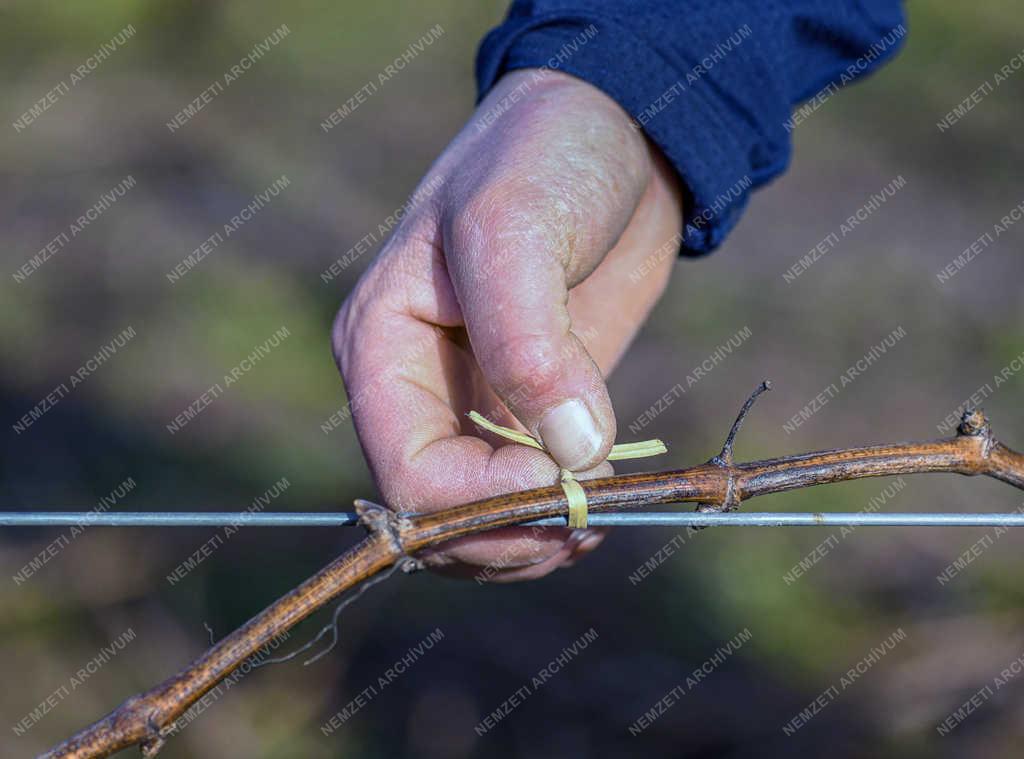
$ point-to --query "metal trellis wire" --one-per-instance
(628, 519)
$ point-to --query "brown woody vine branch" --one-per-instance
(147, 719)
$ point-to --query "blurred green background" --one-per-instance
(265, 427)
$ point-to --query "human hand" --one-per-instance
(508, 291)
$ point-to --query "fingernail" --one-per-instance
(589, 541)
(569, 433)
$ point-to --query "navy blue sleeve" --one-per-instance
(712, 82)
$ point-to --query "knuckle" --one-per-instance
(340, 331)
(503, 218)
(360, 308)
(479, 217)
(525, 366)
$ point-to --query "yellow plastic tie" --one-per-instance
(577, 499)
(574, 492)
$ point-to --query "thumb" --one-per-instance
(512, 259)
